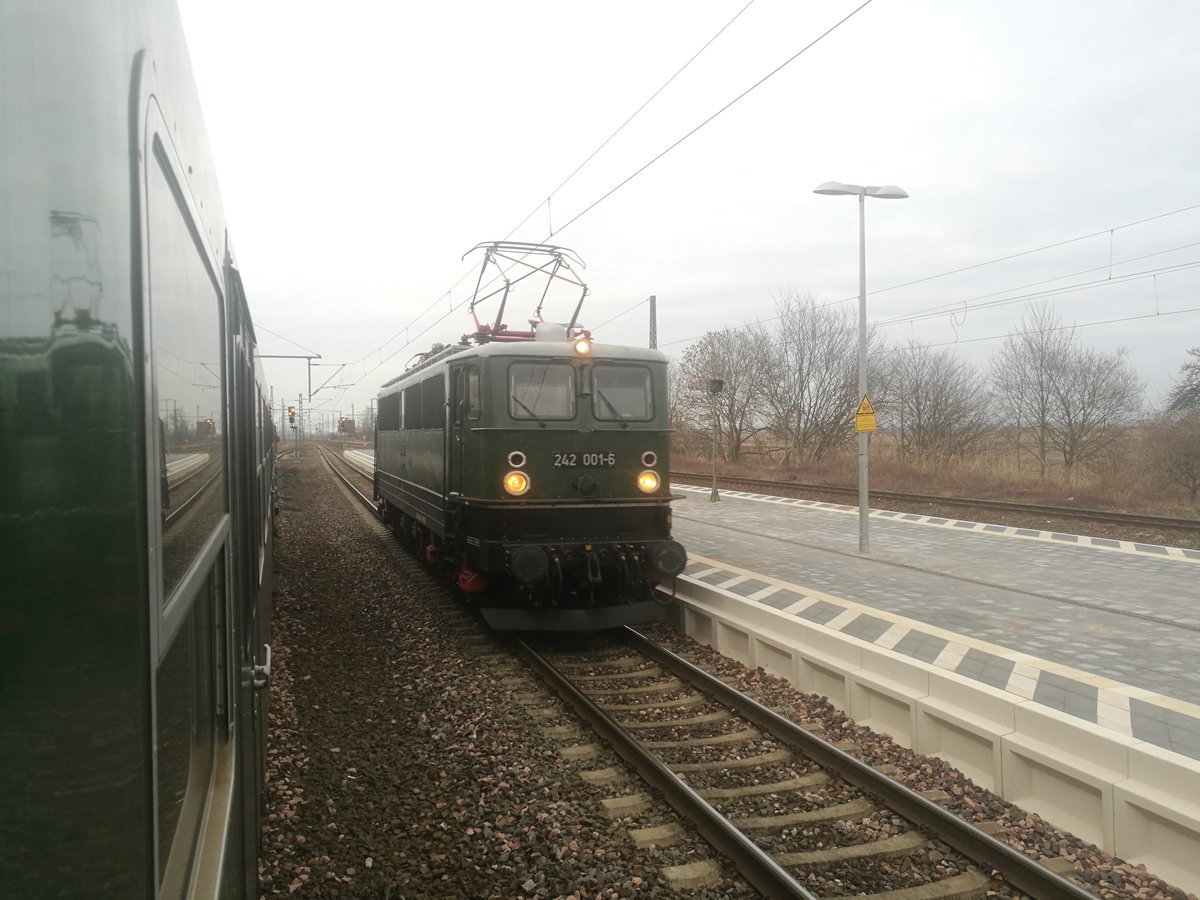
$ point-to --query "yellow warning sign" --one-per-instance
(864, 416)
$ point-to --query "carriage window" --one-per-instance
(185, 323)
(622, 393)
(433, 402)
(412, 407)
(541, 391)
(184, 731)
(473, 393)
(389, 413)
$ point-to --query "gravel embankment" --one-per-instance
(405, 761)
(401, 764)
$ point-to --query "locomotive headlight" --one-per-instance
(583, 346)
(648, 482)
(516, 483)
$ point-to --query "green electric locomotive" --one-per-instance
(534, 466)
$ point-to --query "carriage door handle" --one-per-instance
(261, 675)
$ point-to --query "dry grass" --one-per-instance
(1120, 483)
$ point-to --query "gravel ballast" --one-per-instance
(401, 762)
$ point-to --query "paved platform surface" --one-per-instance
(1108, 631)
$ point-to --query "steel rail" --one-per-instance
(178, 510)
(1018, 869)
(1072, 512)
(357, 468)
(366, 501)
(754, 863)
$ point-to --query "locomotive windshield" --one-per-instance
(622, 393)
(540, 391)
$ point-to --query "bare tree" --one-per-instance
(1174, 443)
(732, 356)
(1096, 399)
(941, 406)
(689, 436)
(1021, 376)
(810, 388)
(1185, 393)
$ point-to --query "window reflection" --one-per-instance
(184, 734)
(186, 339)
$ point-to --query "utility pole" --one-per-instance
(653, 322)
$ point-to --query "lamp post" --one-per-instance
(884, 192)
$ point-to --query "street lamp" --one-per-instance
(884, 192)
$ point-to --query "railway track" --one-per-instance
(360, 476)
(775, 799)
(1067, 512)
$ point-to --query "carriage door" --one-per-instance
(458, 429)
(464, 412)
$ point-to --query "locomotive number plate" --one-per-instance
(593, 460)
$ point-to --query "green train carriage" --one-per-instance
(136, 474)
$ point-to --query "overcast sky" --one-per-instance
(364, 147)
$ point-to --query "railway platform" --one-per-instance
(1099, 629)
(1054, 669)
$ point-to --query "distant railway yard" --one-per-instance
(416, 753)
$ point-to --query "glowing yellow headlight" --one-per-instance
(583, 346)
(516, 483)
(648, 482)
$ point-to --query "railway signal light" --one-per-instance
(291, 415)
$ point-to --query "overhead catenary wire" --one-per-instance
(679, 141)
(956, 305)
(1063, 327)
(579, 215)
(455, 307)
(259, 327)
(935, 311)
(1000, 259)
(942, 309)
(637, 172)
(623, 313)
(550, 196)
(621, 127)
(952, 309)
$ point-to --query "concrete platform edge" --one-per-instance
(1125, 795)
